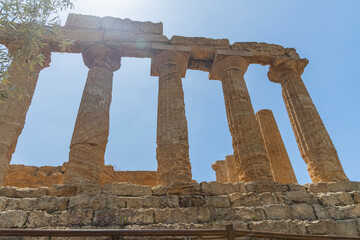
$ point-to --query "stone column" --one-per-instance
(172, 152)
(279, 160)
(90, 136)
(249, 150)
(232, 170)
(220, 171)
(13, 110)
(313, 140)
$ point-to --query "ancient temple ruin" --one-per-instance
(259, 152)
(256, 188)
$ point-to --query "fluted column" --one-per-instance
(220, 171)
(90, 136)
(172, 152)
(249, 150)
(280, 163)
(313, 140)
(232, 170)
(13, 110)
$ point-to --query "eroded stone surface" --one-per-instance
(249, 149)
(313, 140)
(88, 143)
(265, 207)
(280, 164)
(172, 152)
(13, 110)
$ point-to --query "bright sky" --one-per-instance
(325, 32)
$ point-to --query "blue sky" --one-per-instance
(327, 33)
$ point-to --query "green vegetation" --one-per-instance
(24, 24)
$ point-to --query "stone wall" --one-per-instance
(323, 208)
(46, 176)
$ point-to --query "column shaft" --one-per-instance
(313, 139)
(249, 149)
(220, 171)
(13, 110)
(232, 170)
(275, 148)
(90, 136)
(172, 152)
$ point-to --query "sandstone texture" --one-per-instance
(279, 160)
(90, 136)
(249, 149)
(13, 110)
(220, 171)
(32, 177)
(327, 208)
(232, 171)
(172, 152)
(313, 140)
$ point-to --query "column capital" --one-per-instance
(279, 69)
(223, 63)
(181, 59)
(102, 56)
(217, 165)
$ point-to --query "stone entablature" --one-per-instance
(325, 208)
(104, 41)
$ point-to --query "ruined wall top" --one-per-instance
(141, 39)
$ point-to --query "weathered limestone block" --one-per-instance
(111, 217)
(249, 149)
(13, 110)
(159, 190)
(218, 201)
(126, 189)
(351, 211)
(297, 197)
(278, 212)
(232, 170)
(302, 211)
(188, 188)
(170, 201)
(88, 143)
(25, 204)
(252, 199)
(279, 160)
(3, 203)
(52, 204)
(216, 188)
(336, 199)
(38, 219)
(286, 226)
(259, 187)
(77, 217)
(313, 140)
(95, 202)
(326, 226)
(12, 219)
(220, 171)
(191, 201)
(29, 176)
(185, 215)
(238, 214)
(346, 228)
(172, 152)
(135, 177)
(86, 21)
(356, 197)
(63, 190)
